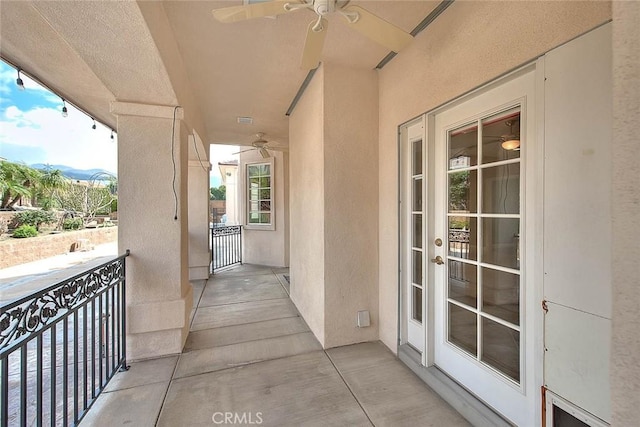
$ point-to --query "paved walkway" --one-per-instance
(250, 359)
(24, 279)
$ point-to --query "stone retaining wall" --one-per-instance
(20, 251)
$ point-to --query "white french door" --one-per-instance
(412, 237)
(482, 334)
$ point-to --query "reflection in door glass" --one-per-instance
(463, 237)
(417, 194)
(417, 304)
(463, 191)
(463, 328)
(501, 348)
(417, 267)
(501, 137)
(463, 286)
(501, 189)
(501, 238)
(417, 157)
(417, 230)
(463, 147)
(501, 295)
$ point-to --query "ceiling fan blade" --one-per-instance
(377, 29)
(243, 151)
(316, 33)
(256, 10)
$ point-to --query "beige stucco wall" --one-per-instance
(306, 154)
(159, 296)
(266, 247)
(350, 202)
(334, 251)
(625, 351)
(469, 44)
(160, 29)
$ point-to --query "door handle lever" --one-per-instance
(438, 260)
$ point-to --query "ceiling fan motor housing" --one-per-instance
(323, 7)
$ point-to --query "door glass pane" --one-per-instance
(501, 348)
(417, 230)
(463, 192)
(501, 242)
(501, 295)
(416, 296)
(463, 147)
(463, 286)
(417, 267)
(417, 195)
(463, 237)
(496, 131)
(501, 189)
(417, 157)
(463, 328)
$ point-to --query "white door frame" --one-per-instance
(532, 213)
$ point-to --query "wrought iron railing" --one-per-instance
(459, 248)
(226, 246)
(60, 346)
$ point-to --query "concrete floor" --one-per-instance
(250, 359)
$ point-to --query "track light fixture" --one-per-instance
(65, 113)
(19, 81)
(94, 123)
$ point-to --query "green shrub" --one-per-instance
(35, 218)
(72, 224)
(114, 205)
(25, 231)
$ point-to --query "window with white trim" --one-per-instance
(259, 195)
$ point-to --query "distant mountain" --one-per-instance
(72, 173)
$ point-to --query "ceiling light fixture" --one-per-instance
(94, 123)
(19, 81)
(512, 141)
(65, 113)
(111, 133)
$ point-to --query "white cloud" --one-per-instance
(8, 77)
(68, 141)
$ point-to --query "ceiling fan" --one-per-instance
(261, 145)
(510, 141)
(358, 18)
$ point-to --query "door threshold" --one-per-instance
(469, 406)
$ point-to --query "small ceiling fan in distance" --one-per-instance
(358, 18)
(261, 145)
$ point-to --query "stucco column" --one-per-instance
(152, 220)
(199, 253)
(625, 349)
(333, 136)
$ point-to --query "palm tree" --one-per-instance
(16, 181)
(51, 180)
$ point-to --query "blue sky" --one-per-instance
(32, 129)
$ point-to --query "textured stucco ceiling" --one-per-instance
(94, 52)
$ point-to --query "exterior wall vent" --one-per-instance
(245, 120)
